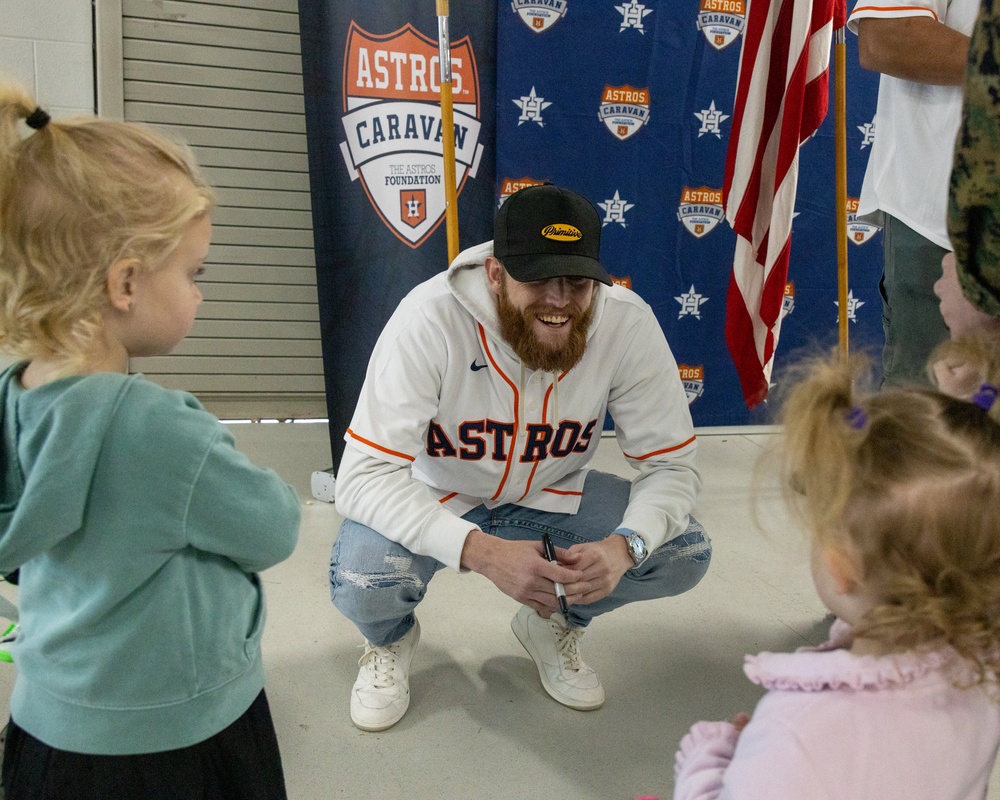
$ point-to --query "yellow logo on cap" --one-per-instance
(561, 232)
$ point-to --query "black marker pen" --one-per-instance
(550, 554)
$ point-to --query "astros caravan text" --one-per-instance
(421, 72)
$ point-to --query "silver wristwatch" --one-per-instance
(636, 547)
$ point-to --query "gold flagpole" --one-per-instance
(840, 101)
(448, 131)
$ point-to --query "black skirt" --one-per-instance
(241, 762)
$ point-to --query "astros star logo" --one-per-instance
(853, 304)
(867, 133)
(614, 210)
(531, 107)
(710, 119)
(633, 13)
(691, 303)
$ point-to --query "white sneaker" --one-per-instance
(555, 649)
(381, 694)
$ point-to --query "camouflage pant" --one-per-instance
(974, 200)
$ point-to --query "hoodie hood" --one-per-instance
(467, 281)
(49, 450)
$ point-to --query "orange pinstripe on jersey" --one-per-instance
(517, 422)
(363, 440)
(660, 452)
(895, 8)
(564, 492)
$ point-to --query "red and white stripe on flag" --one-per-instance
(781, 99)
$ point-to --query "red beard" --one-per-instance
(515, 327)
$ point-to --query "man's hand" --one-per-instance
(519, 569)
(601, 564)
(957, 378)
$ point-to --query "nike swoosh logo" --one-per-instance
(476, 367)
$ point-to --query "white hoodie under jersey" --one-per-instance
(449, 418)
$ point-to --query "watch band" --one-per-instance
(637, 548)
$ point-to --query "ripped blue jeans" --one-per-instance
(377, 583)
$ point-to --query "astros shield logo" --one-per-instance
(788, 299)
(509, 185)
(539, 15)
(693, 378)
(722, 21)
(624, 110)
(857, 231)
(700, 209)
(392, 125)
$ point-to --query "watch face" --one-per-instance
(638, 547)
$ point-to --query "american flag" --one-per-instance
(781, 99)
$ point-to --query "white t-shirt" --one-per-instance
(915, 127)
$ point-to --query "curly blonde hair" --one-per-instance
(910, 481)
(76, 197)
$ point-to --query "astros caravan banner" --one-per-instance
(629, 102)
(371, 77)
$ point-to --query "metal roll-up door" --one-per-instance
(226, 77)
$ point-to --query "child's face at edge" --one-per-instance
(167, 298)
(827, 587)
(837, 578)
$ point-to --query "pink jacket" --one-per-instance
(835, 726)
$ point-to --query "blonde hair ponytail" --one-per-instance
(16, 105)
(77, 196)
(907, 482)
(822, 427)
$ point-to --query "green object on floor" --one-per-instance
(6, 638)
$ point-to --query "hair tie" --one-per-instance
(985, 397)
(856, 417)
(38, 119)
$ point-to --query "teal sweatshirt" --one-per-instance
(138, 529)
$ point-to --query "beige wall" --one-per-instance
(47, 45)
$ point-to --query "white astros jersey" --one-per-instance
(910, 162)
(449, 419)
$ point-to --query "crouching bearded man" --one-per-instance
(481, 409)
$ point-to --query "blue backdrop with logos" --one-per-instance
(626, 102)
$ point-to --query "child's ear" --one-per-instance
(120, 284)
(844, 567)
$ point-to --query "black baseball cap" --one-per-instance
(546, 231)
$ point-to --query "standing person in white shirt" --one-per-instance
(480, 413)
(920, 48)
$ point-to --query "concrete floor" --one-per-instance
(479, 724)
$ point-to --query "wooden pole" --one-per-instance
(840, 118)
(448, 131)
